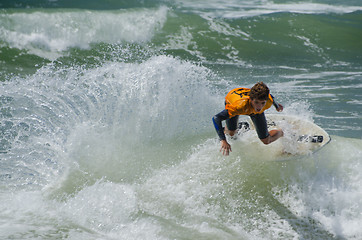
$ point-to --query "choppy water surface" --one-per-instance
(105, 119)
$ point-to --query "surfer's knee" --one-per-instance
(231, 132)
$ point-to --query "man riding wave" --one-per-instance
(245, 101)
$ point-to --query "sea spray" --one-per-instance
(57, 32)
(105, 120)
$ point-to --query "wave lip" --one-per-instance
(48, 34)
(234, 9)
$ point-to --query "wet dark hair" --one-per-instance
(259, 91)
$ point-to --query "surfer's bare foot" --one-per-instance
(273, 136)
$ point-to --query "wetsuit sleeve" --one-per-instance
(217, 120)
(276, 105)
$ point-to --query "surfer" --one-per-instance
(245, 101)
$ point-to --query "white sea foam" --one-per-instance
(127, 150)
(65, 113)
(123, 162)
(237, 9)
(48, 34)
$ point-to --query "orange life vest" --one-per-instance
(237, 102)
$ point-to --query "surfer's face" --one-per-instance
(257, 104)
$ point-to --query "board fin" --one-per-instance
(309, 138)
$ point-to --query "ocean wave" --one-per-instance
(237, 9)
(48, 33)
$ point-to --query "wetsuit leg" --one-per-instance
(260, 124)
(232, 123)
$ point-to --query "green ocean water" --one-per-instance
(105, 119)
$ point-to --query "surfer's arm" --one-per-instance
(277, 106)
(217, 120)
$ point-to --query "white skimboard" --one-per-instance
(300, 136)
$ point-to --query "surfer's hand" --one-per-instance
(280, 107)
(225, 147)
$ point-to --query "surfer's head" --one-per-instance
(259, 95)
(259, 91)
